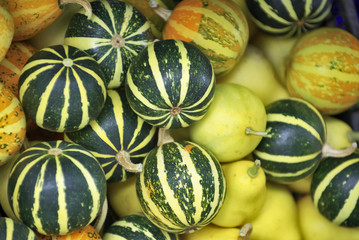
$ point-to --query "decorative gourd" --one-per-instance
(136, 226)
(334, 189)
(33, 16)
(15, 230)
(114, 34)
(62, 88)
(86, 233)
(118, 138)
(288, 18)
(170, 84)
(217, 27)
(56, 187)
(7, 29)
(292, 148)
(181, 187)
(10, 67)
(323, 70)
(12, 125)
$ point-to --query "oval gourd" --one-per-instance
(15, 230)
(322, 70)
(288, 18)
(12, 125)
(136, 226)
(170, 84)
(56, 187)
(114, 34)
(16, 57)
(62, 88)
(7, 29)
(292, 148)
(217, 27)
(181, 187)
(118, 138)
(334, 189)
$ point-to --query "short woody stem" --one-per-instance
(164, 136)
(123, 158)
(245, 231)
(329, 151)
(160, 11)
(86, 5)
(250, 131)
(353, 136)
(253, 171)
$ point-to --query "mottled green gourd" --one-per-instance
(114, 34)
(15, 230)
(170, 84)
(181, 187)
(56, 187)
(118, 138)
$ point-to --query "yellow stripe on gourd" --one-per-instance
(66, 95)
(101, 133)
(101, 23)
(325, 48)
(286, 159)
(9, 228)
(329, 177)
(118, 112)
(111, 172)
(87, 43)
(9, 65)
(276, 30)
(9, 109)
(268, 9)
(185, 63)
(348, 207)
(144, 141)
(277, 117)
(62, 212)
(291, 174)
(16, 126)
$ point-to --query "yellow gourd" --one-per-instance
(7, 29)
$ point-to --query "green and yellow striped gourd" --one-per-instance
(62, 88)
(170, 84)
(15, 230)
(181, 187)
(292, 148)
(56, 187)
(114, 34)
(118, 138)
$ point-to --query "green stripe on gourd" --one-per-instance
(15, 230)
(288, 18)
(113, 35)
(136, 226)
(181, 187)
(62, 88)
(118, 138)
(292, 148)
(56, 187)
(170, 84)
(335, 189)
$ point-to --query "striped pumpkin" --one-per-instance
(118, 138)
(323, 70)
(15, 59)
(62, 88)
(7, 29)
(288, 18)
(292, 149)
(86, 233)
(170, 84)
(12, 125)
(334, 189)
(181, 187)
(15, 230)
(114, 34)
(217, 27)
(136, 226)
(56, 187)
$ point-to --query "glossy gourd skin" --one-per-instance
(15, 230)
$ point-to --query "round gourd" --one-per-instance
(292, 148)
(322, 70)
(114, 34)
(334, 189)
(6, 29)
(62, 88)
(56, 187)
(118, 138)
(288, 18)
(12, 125)
(181, 187)
(15, 230)
(136, 226)
(218, 28)
(170, 84)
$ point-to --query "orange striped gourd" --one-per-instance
(6, 29)
(12, 64)
(86, 233)
(217, 27)
(324, 69)
(12, 125)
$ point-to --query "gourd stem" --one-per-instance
(86, 5)
(164, 136)
(253, 171)
(329, 151)
(160, 11)
(123, 158)
(353, 136)
(245, 231)
(25, 145)
(102, 217)
(250, 131)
